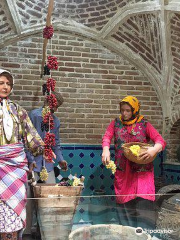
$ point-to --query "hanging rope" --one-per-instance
(48, 63)
(46, 38)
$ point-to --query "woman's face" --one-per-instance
(5, 87)
(126, 111)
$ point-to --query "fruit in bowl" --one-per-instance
(134, 149)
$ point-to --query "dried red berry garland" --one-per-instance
(52, 63)
(52, 101)
(48, 152)
(48, 120)
(50, 84)
(49, 141)
(48, 32)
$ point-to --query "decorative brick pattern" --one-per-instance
(140, 33)
(32, 12)
(91, 79)
(173, 141)
(172, 137)
(175, 51)
(6, 26)
(95, 13)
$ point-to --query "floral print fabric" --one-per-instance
(9, 220)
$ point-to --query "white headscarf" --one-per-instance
(7, 119)
(4, 71)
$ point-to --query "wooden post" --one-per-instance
(48, 23)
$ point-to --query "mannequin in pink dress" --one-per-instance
(134, 183)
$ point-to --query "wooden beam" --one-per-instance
(45, 42)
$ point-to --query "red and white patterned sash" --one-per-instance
(13, 176)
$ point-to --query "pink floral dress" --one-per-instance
(132, 180)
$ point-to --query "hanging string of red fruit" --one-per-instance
(48, 152)
(52, 101)
(52, 63)
(48, 32)
(50, 139)
(50, 84)
(48, 121)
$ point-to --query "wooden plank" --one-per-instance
(51, 189)
(58, 202)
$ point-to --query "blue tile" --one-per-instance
(92, 176)
(92, 187)
(82, 199)
(86, 160)
(86, 171)
(112, 176)
(70, 166)
(112, 187)
(92, 165)
(71, 155)
(113, 198)
(76, 170)
(92, 155)
(102, 176)
(102, 166)
(81, 165)
(81, 210)
(172, 170)
(81, 155)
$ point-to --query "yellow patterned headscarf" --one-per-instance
(134, 103)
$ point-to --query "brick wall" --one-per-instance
(91, 79)
(173, 142)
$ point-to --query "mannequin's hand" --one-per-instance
(63, 165)
(149, 155)
(106, 156)
(32, 166)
